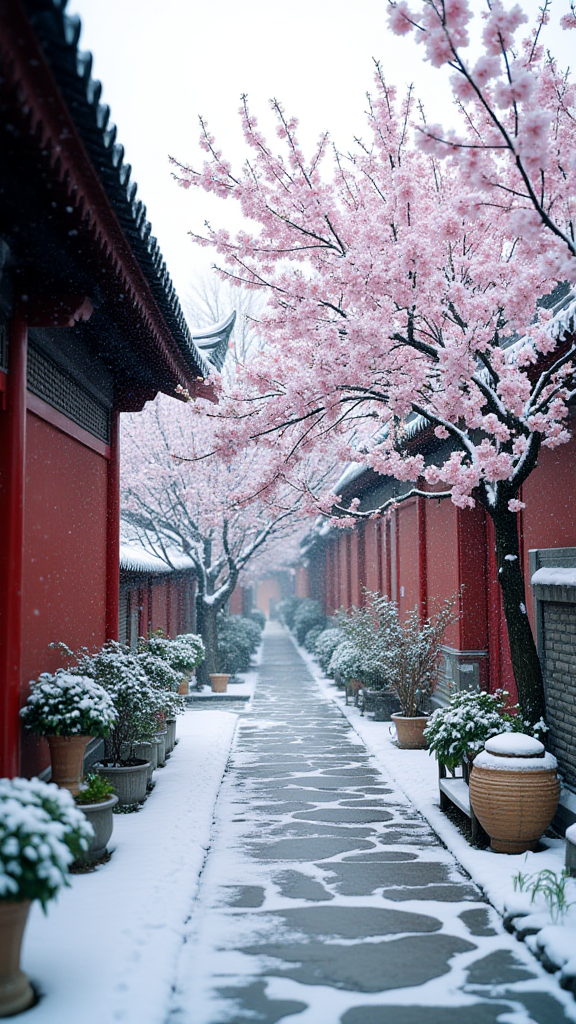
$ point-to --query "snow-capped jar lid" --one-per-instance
(514, 744)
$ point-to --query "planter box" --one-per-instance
(381, 703)
(171, 737)
(129, 781)
(101, 818)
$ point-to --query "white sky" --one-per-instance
(164, 62)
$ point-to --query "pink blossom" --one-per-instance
(516, 506)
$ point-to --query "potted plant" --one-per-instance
(459, 731)
(138, 706)
(97, 801)
(408, 654)
(41, 832)
(68, 709)
(184, 654)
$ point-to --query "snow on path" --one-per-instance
(107, 949)
(327, 899)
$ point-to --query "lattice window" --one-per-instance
(50, 382)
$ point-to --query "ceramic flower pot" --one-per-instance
(219, 682)
(514, 795)
(67, 758)
(160, 737)
(184, 687)
(171, 735)
(101, 817)
(410, 731)
(129, 781)
(15, 990)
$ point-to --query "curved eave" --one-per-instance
(213, 341)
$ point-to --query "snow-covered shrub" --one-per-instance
(41, 833)
(238, 640)
(469, 720)
(326, 644)
(183, 654)
(346, 661)
(311, 638)
(65, 704)
(287, 610)
(159, 671)
(407, 652)
(307, 615)
(258, 617)
(139, 705)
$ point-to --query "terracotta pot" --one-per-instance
(184, 687)
(15, 990)
(101, 817)
(514, 799)
(67, 757)
(410, 731)
(219, 682)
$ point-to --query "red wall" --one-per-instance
(407, 564)
(64, 556)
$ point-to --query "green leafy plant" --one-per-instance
(462, 728)
(41, 833)
(550, 886)
(238, 639)
(96, 790)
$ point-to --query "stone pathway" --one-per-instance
(327, 899)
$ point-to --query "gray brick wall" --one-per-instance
(559, 649)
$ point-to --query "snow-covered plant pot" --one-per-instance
(97, 801)
(68, 709)
(459, 731)
(138, 703)
(41, 832)
(514, 791)
(160, 738)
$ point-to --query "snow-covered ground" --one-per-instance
(416, 774)
(106, 952)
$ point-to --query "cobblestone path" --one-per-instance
(327, 899)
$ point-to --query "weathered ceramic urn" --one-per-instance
(514, 791)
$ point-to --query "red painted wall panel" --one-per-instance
(407, 558)
(64, 556)
(442, 559)
(372, 541)
(549, 519)
(301, 584)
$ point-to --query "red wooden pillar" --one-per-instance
(113, 531)
(422, 566)
(12, 547)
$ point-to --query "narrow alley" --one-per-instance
(327, 899)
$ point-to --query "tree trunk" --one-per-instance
(525, 661)
(206, 624)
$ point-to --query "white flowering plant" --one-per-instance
(65, 704)
(139, 705)
(183, 654)
(41, 833)
(462, 728)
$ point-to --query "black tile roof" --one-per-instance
(58, 35)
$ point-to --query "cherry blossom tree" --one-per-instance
(180, 503)
(405, 290)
